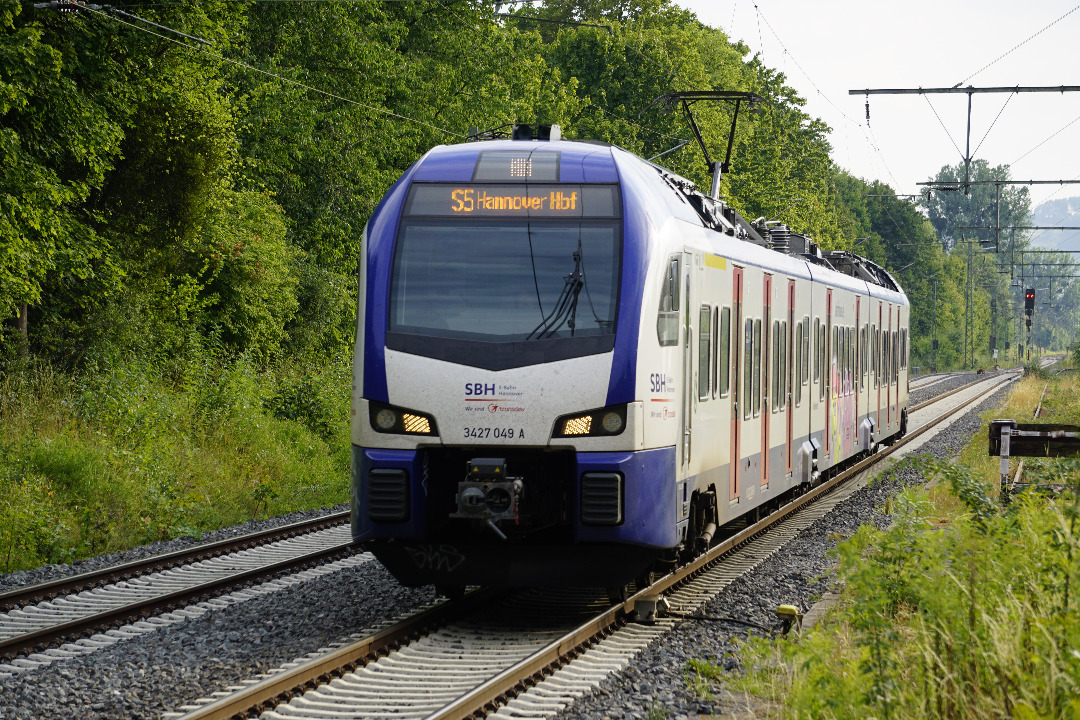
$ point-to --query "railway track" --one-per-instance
(38, 619)
(529, 654)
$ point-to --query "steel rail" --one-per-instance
(281, 687)
(32, 594)
(516, 679)
(933, 400)
(513, 680)
(41, 639)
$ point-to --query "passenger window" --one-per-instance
(757, 368)
(748, 375)
(704, 350)
(713, 384)
(822, 382)
(862, 358)
(885, 357)
(817, 350)
(782, 401)
(895, 360)
(667, 321)
(725, 351)
(874, 353)
(805, 367)
(834, 366)
(798, 363)
(851, 359)
(775, 365)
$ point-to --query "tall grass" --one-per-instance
(978, 617)
(126, 455)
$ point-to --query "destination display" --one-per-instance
(473, 200)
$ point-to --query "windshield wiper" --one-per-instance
(565, 312)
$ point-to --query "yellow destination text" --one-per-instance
(467, 200)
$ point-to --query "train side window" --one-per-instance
(725, 351)
(903, 349)
(704, 351)
(817, 350)
(821, 369)
(874, 356)
(885, 357)
(713, 384)
(805, 367)
(883, 338)
(892, 358)
(862, 358)
(840, 355)
(895, 360)
(798, 363)
(667, 320)
(783, 364)
(833, 361)
(846, 361)
(757, 368)
(775, 389)
(841, 362)
(748, 375)
(851, 359)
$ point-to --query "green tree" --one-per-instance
(59, 136)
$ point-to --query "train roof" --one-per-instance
(597, 162)
(579, 162)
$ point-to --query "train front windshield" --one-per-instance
(507, 263)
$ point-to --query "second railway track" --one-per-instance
(40, 617)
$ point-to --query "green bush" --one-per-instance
(979, 620)
(131, 454)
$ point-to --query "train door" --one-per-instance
(689, 365)
(878, 369)
(737, 399)
(889, 371)
(789, 376)
(856, 365)
(827, 372)
(766, 350)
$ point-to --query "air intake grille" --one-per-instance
(601, 499)
(388, 495)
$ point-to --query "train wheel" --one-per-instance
(703, 520)
(618, 595)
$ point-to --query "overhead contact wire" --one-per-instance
(1019, 45)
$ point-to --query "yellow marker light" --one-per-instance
(415, 423)
(578, 426)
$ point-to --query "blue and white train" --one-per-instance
(571, 367)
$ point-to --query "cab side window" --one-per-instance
(667, 320)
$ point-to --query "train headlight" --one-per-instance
(594, 423)
(399, 421)
(385, 420)
(612, 423)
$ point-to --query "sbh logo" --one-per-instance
(479, 389)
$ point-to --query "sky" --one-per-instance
(828, 47)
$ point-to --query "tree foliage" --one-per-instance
(162, 197)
